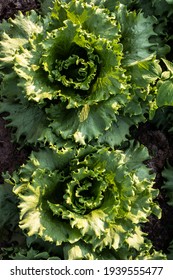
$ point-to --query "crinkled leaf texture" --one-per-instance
(82, 251)
(91, 196)
(86, 65)
(165, 86)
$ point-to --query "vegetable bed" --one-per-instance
(86, 133)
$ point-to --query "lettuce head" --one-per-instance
(83, 71)
(93, 199)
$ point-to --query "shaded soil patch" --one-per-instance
(8, 8)
(11, 156)
(160, 147)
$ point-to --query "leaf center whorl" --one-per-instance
(77, 70)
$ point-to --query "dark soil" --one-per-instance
(8, 8)
(11, 156)
(160, 147)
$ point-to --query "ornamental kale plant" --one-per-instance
(88, 62)
(92, 198)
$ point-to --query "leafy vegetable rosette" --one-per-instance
(91, 201)
(85, 70)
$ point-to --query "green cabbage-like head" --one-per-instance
(84, 69)
(91, 196)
